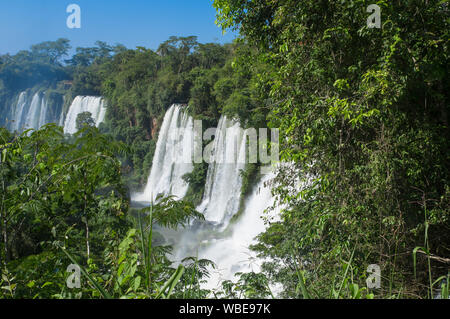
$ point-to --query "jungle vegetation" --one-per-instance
(363, 115)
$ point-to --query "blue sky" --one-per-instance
(129, 22)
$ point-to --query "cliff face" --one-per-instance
(154, 127)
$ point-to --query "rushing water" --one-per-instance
(224, 181)
(216, 239)
(32, 111)
(231, 253)
(172, 159)
(19, 111)
(36, 115)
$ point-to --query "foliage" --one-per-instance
(42, 66)
(363, 115)
(84, 119)
(62, 202)
(196, 181)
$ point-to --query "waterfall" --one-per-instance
(232, 253)
(92, 104)
(223, 181)
(33, 119)
(61, 114)
(32, 114)
(19, 111)
(225, 243)
(172, 159)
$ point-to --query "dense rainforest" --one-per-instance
(364, 140)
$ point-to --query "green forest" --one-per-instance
(363, 115)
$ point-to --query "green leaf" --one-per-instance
(92, 280)
(171, 283)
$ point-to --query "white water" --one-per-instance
(92, 104)
(223, 181)
(32, 114)
(21, 104)
(232, 253)
(38, 106)
(173, 157)
(225, 244)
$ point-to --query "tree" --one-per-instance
(54, 51)
(357, 109)
(84, 119)
(49, 182)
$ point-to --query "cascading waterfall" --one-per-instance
(232, 253)
(32, 114)
(92, 104)
(19, 111)
(223, 181)
(173, 157)
(38, 106)
(217, 240)
(62, 115)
